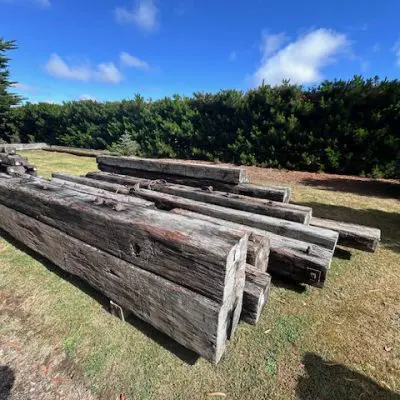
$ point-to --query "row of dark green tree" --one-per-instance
(350, 127)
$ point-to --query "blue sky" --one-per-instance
(112, 49)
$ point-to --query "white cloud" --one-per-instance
(57, 67)
(132, 61)
(300, 61)
(232, 56)
(396, 50)
(87, 97)
(23, 87)
(43, 3)
(144, 15)
(108, 73)
(272, 43)
(104, 72)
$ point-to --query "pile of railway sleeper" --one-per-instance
(189, 248)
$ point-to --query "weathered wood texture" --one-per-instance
(24, 146)
(256, 293)
(322, 237)
(270, 208)
(259, 244)
(189, 318)
(102, 193)
(201, 171)
(281, 194)
(351, 235)
(299, 261)
(105, 185)
(77, 152)
(199, 255)
(15, 170)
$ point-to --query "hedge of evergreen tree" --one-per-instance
(350, 127)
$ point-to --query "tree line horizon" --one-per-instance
(341, 126)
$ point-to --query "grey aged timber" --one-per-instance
(201, 171)
(199, 255)
(270, 208)
(259, 244)
(123, 198)
(281, 194)
(351, 235)
(290, 258)
(191, 319)
(256, 293)
(322, 237)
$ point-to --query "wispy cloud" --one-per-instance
(105, 72)
(85, 97)
(376, 47)
(232, 56)
(57, 67)
(300, 61)
(40, 3)
(143, 14)
(396, 50)
(129, 60)
(108, 73)
(23, 87)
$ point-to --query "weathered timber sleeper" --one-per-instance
(191, 319)
(270, 208)
(199, 255)
(281, 194)
(323, 237)
(256, 293)
(201, 171)
(351, 235)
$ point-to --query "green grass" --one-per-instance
(341, 342)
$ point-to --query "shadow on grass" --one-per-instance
(387, 222)
(365, 187)
(186, 355)
(288, 284)
(331, 381)
(7, 379)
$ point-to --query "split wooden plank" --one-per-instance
(201, 256)
(122, 198)
(289, 258)
(351, 235)
(256, 293)
(270, 208)
(191, 319)
(201, 171)
(281, 194)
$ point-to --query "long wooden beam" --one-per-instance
(270, 208)
(356, 236)
(200, 171)
(281, 194)
(258, 246)
(191, 319)
(196, 254)
(322, 237)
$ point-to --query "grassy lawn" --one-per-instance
(341, 342)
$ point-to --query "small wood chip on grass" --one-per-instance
(216, 394)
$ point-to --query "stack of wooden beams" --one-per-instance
(189, 248)
(13, 164)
